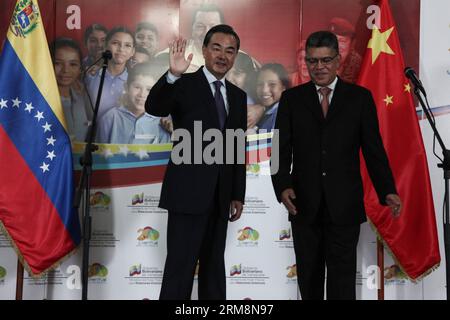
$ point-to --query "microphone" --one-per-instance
(107, 54)
(411, 75)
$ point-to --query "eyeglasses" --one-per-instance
(325, 60)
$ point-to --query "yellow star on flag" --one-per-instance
(388, 100)
(378, 43)
(407, 87)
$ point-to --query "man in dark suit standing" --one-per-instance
(323, 125)
(201, 197)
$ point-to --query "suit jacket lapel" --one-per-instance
(205, 93)
(337, 100)
(232, 104)
(313, 102)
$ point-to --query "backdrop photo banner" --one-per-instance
(128, 244)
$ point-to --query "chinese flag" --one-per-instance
(411, 238)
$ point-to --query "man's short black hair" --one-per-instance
(323, 39)
(221, 28)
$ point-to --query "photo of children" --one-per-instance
(146, 36)
(66, 57)
(94, 41)
(129, 123)
(120, 41)
(271, 81)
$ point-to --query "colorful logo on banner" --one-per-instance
(137, 199)
(248, 234)
(254, 168)
(97, 270)
(244, 274)
(25, 18)
(394, 274)
(141, 202)
(100, 200)
(283, 239)
(285, 234)
(2, 273)
(148, 233)
(292, 271)
(135, 270)
(236, 270)
(144, 275)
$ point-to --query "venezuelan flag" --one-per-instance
(36, 174)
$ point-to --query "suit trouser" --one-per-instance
(192, 238)
(325, 244)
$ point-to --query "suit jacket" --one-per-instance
(325, 153)
(190, 188)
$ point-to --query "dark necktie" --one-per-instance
(220, 104)
(325, 91)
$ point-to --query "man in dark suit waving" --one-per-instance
(323, 125)
(200, 196)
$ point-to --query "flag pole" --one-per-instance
(380, 262)
(19, 281)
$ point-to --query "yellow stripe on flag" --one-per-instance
(32, 50)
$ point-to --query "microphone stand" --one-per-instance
(445, 165)
(85, 181)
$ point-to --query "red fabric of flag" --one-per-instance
(411, 238)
